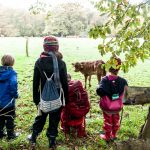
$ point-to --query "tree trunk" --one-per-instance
(132, 144)
(137, 95)
(145, 130)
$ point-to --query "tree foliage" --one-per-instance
(68, 19)
(42, 19)
(20, 23)
(125, 32)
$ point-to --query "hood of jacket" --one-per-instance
(6, 72)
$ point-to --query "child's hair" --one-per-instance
(7, 60)
(68, 77)
(59, 55)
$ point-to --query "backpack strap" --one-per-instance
(57, 76)
(47, 77)
(63, 97)
(77, 91)
(56, 70)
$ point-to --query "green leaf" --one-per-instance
(119, 1)
(108, 30)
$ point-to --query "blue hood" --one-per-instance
(6, 72)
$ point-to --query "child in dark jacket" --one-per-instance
(111, 88)
(8, 94)
(45, 64)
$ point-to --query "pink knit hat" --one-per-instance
(50, 44)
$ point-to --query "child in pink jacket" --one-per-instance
(111, 90)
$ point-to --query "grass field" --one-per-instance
(73, 50)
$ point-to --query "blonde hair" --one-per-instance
(7, 60)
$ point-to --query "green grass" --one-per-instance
(73, 50)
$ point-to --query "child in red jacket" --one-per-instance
(73, 115)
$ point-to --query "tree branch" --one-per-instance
(143, 3)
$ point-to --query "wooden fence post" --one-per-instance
(27, 50)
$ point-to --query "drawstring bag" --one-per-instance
(108, 104)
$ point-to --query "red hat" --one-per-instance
(50, 44)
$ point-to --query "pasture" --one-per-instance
(73, 49)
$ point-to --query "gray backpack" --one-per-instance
(50, 97)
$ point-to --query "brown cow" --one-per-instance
(90, 68)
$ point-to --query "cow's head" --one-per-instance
(77, 66)
(101, 68)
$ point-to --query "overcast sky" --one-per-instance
(25, 4)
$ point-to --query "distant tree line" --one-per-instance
(70, 19)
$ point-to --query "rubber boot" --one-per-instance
(32, 139)
(11, 134)
(106, 136)
(2, 134)
(114, 135)
(2, 124)
(52, 143)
